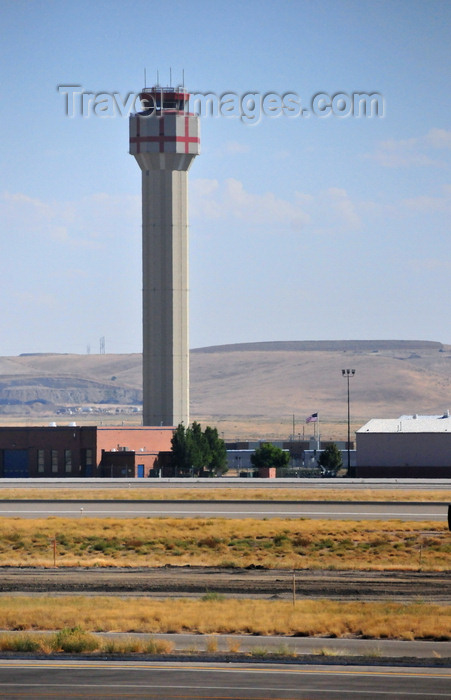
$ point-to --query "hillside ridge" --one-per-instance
(321, 345)
(245, 389)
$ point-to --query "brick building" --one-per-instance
(81, 451)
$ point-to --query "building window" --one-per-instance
(68, 460)
(54, 461)
(41, 461)
(88, 457)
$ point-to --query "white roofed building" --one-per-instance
(407, 447)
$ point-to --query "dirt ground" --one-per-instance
(250, 583)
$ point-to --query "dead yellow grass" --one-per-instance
(76, 640)
(226, 493)
(307, 618)
(300, 544)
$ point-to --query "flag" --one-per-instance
(312, 419)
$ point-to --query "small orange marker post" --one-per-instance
(54, 552)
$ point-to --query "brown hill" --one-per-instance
(247, 390)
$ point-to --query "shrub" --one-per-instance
(283, 649)
(259, 652)
(212, 595)
(233, 645)
(158, 646)
(75, 640)
(228, 564)
(212, 645)
(19, 642)
(280, 539)
(122, 646)
(211, 542)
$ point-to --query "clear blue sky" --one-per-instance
(300, 228)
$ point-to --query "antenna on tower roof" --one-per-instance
(170, 77)
(145, 78)
(183, 78)
(158, 78)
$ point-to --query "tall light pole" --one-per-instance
(348, 373)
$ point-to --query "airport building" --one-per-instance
(81, 451)
(406, 447)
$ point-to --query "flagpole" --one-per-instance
(318, 442)
(314, 418)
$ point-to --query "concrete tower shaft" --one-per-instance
(164, 139)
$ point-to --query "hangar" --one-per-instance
(406, 447)
(81, 451)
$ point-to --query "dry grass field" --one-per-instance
(225, 494)
(273, 544)
(386, 620)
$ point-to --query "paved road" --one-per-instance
(226, 509)
(193, 681)
(225, 482)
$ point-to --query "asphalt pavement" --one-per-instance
(227, 482)
(215, 680)
(258, 510)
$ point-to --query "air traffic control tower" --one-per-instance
(164, 138)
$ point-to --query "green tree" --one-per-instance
(198, 448)
(268, 455)
(180, 453)
(217, 462)
(195, 451)
(330, 458)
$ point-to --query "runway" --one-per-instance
(231, 482)
(194, 681)
(335, 510)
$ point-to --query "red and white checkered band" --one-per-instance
(161, 139)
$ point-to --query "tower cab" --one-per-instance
(155, 100)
